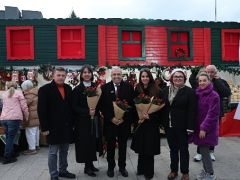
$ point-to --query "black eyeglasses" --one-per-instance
(178, 77)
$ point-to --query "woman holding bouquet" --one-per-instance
(146, 139)
(85, 131)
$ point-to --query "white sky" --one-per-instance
(227, 10)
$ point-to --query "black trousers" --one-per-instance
(178, 144)
(146, 165)
(117, 134)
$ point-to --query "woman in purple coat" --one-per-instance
(206, 133)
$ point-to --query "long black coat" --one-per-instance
(55, 113)
(126, 92)
(146, 138)
(85, 131)
(183, 109)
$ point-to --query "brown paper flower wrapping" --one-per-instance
(154, 108)
(142, 108)
(93, 101)
(118, 112)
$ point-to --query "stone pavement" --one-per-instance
(34, 167)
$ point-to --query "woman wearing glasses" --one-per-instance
(179, 114)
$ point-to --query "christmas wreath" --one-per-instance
(180, 53)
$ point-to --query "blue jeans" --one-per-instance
(52, 159)
(11, 129)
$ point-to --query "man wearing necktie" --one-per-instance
(116, 130)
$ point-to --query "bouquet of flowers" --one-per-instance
(156, 105)
(120, 107)
(93, 94)
(146, 104)
(142, 103)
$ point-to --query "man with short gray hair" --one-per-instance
(116, 129)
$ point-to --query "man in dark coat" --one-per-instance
(220, 86)
(113, 127)
(54, 111)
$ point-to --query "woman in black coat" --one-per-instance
(179, 115)
(146, 139)
(85, 127)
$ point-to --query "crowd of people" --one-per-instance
(190, 115)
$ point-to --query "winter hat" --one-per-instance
(178, 70)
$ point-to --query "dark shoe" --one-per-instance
(172, 175)
(54, 178)
(140, 173)
(16, 154)
(124, 172)
(110, 173)
(67, 175)
(30, 152)
(148, 177)
(185, 177)
(94, 169)
(90, 172)
(9, 160)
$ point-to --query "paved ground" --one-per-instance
(35, 167)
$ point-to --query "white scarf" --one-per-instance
(87, 84)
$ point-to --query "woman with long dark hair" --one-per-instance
(85, 131)
(146, 139)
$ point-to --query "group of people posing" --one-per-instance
(189, 115)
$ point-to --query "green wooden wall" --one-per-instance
(45, 45)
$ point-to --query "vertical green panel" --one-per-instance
(45, 44)
(216, 46)
(3, 50)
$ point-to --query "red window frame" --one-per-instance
(179, 39)
(225, 57)
(131, 43)
(29, 41)
(81, 41)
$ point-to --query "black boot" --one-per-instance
(94, 169)
(88, 170)
(9, 160)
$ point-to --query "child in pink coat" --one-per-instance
(14, 110)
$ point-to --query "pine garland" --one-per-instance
(235, 70)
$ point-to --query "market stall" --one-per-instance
(230, 126)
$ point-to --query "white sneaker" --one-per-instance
(201, 176)
(198, 157)
(212, 157)
(209, 177)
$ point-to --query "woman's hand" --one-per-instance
(202, 134)
(117, 121)
(92, 112)
(140, 121)
(145, 116)
(45, 133)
